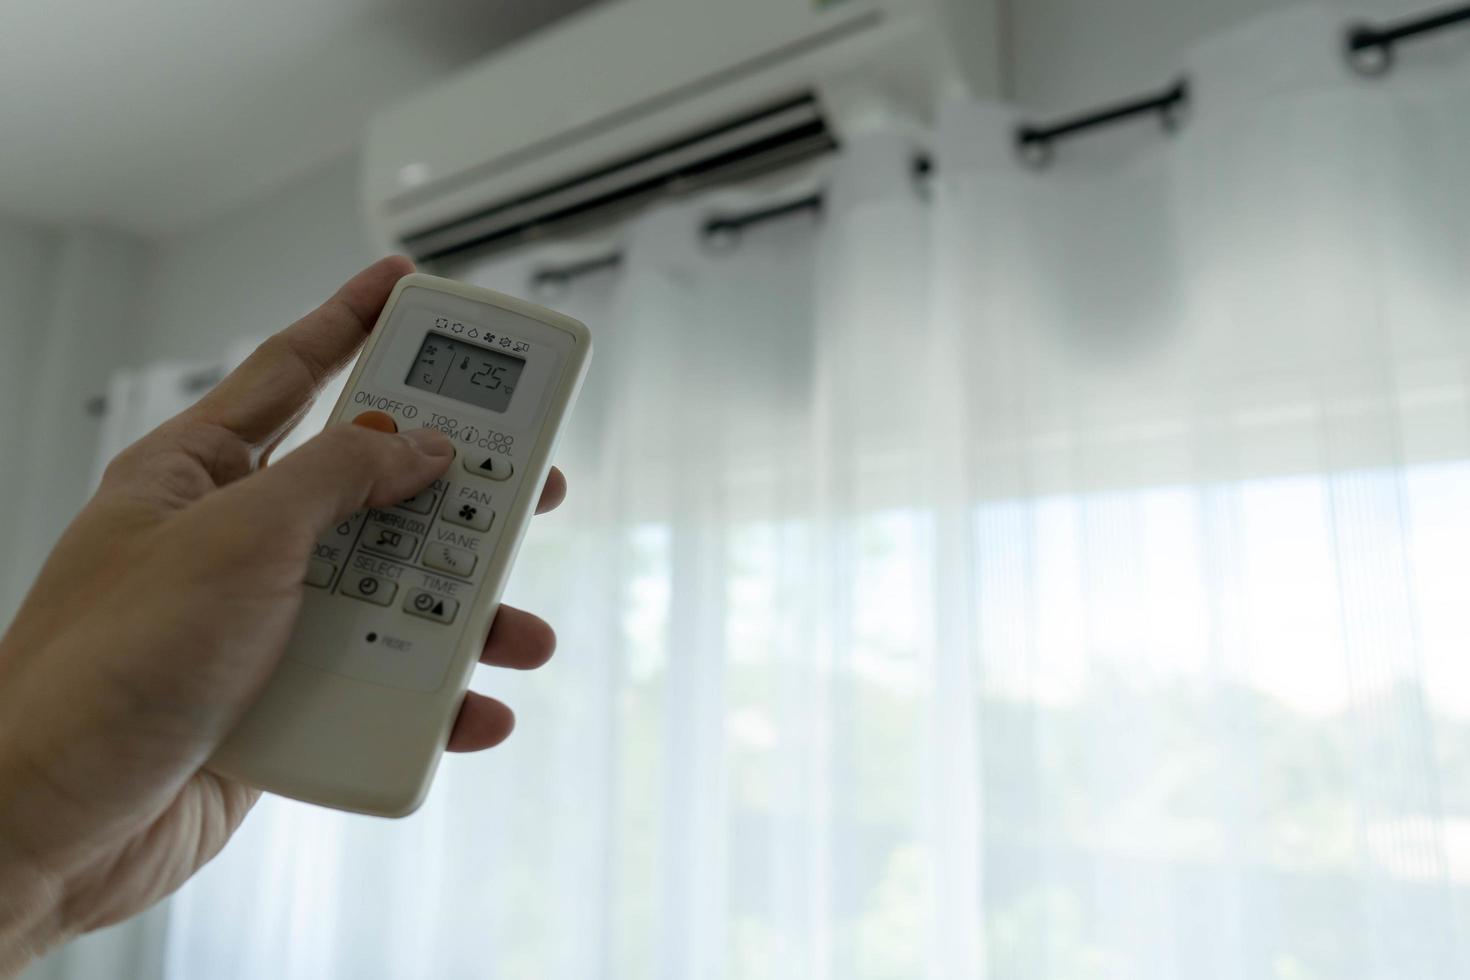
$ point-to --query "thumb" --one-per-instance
(344, 469)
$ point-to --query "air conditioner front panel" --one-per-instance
(630, 76)
(583, 74)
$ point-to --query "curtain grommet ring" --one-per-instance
(1366, 52)
(721, 237)
(1034, 149)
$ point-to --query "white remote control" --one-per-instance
(398, 601)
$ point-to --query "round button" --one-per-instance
(378, 421)
(494, 466)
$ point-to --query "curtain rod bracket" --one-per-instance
(1369, 49)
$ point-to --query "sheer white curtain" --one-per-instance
(1031, 575)
(1219, 453)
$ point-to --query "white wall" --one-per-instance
(252, 271)
(27, 264)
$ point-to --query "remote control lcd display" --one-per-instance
(465, 372)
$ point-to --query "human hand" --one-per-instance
(160, 615)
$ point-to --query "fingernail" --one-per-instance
(430, 442)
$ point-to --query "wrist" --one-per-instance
(31, 911)
(32, 899)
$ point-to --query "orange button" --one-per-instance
(380, 421)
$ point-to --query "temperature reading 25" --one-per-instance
(490, 376)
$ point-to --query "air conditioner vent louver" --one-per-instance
(776, 136)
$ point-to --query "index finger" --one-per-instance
(268, 393)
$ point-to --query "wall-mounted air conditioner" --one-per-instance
(634, 98)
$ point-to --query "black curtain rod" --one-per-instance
(734, 224)
(1034, 141)
(1369, 48)
(552, 277)
(558, 276)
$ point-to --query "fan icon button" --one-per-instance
(471, 515)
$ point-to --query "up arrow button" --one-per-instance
(494, 466)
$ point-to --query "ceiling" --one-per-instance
(154, 115)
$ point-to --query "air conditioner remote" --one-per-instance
(399, 600)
